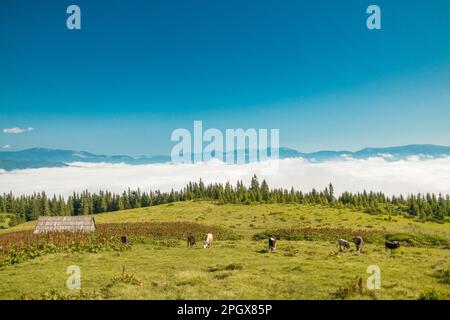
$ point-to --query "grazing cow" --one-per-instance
(208, 241)
(191, 241)
(272, 244)
(343, 244)
(124, 239)
(359, 243)
(391, 245)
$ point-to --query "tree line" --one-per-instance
(30, 207)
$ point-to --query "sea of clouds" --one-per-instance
(413, 175)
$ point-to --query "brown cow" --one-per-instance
(359, 243)
(191, 241)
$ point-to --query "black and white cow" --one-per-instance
(391, 245)
(272, 244)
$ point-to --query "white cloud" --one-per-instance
(17, 130)
(377, 174)
(6, 146)
(386, 155)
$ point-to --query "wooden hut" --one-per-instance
(65, 224)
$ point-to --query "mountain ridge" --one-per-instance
(46, 157)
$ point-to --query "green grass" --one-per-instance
(242, 268)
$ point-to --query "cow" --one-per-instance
(208, 241)
(191, 241)
(359, 243)
(343, 244)
(391, 245)
(124, 239)
(272, 244)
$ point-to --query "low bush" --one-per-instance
(429, 294)
(58, 295)
(443, 275)
(349, 290)
(369, 236)
(230, 267)
(16, 247)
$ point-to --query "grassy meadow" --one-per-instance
(158, 265)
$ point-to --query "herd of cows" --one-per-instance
(359, 243)
(342, 244)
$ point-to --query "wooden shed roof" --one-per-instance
(65, 223)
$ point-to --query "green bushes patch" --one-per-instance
(230, 267)
(53, 294)
(443, 275)
(20, 246)
(165, 230)
(430, 294)
(369, 236)
(16, 247)
(316, 234)
(351, 289)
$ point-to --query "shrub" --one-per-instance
(16, 247)
(430, 294)
(347, 291)
(317, 234)
(234, 266)
(221, 276)
(127, 278)
(57, 295)
(443, 276)
(230, 267)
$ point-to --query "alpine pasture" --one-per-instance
(157, 264)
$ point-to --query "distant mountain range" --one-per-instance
(50, 158)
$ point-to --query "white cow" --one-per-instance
(208, 241)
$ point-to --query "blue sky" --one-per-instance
(140, 69)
